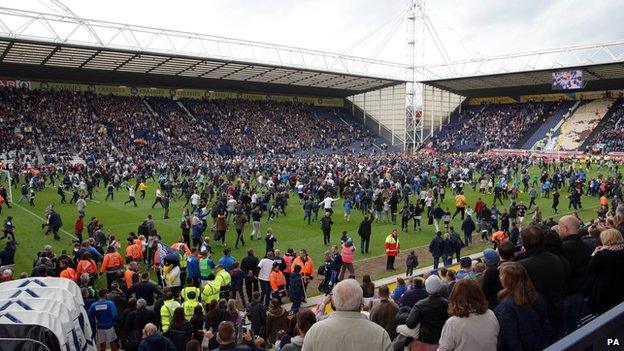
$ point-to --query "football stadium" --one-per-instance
(162, 189)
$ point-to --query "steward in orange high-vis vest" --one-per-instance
(307, 266)
(131, 275)
(392, 249)
(278, 282)
(135, 249)
(67, 271)
(112, 265)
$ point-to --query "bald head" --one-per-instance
(568, 225)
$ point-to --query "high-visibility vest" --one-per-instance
(204, 268)
(166, 313)
(128, 274)
(69, 273)
(189, 308)
(307, 267)
(188, 289)
(183, 261)
(223, 277)
(277, 280)
(112, 262)
(211, 291)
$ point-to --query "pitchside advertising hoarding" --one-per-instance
(584, 95)
(168, 93)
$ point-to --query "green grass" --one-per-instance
(291, 231)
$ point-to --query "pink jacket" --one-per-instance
(347, 253)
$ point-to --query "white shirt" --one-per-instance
(254, 198)
(327, 203)
(175, 273)
(266, 265)
(131, 191)
(158, 193)
(195, 199)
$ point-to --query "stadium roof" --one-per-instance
(597, 77)
(49, 46)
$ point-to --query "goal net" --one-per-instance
(5, 181)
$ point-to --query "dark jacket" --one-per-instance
(182, 336)
(436, 246)
(295, 287)
(156, 342)
(257, 317)
(522, 328)
(365, 228)
(491, 285)
(431, 313)
(447, 247)
(412, 296)
(576, 252)
(608, 287)
(547, 273)
(468, 226)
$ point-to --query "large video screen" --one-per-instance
(564, 80)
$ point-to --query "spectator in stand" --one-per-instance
(153, 341)
(547, 273)
(574, 250)
(429, 315)
(491, 284)
(472, 326)
(415, 293)
(384, 312)
(180, 330)
(304, 321)
(522, 312)
(276, 320)
(605, 265)
(346, 329)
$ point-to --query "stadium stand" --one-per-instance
(609, 134)
(549, 122)
(491, 126)
(89, 126)
(579, 125)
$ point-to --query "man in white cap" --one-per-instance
(431, 313)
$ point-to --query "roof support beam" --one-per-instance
(6, 50)
(90, 58)
(45, 60)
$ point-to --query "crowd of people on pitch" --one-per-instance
(517, 296)
(491, 126)
(224, 191)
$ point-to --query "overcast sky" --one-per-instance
(467, 27)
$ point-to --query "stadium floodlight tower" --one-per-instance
(415, 34)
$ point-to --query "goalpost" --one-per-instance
(5, 180)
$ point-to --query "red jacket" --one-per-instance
(79, 225)
(392, 246)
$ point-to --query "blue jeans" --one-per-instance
(265, 290)
(572, 306)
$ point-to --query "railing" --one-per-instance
(606, 332)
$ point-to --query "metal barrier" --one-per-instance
(605, 332)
